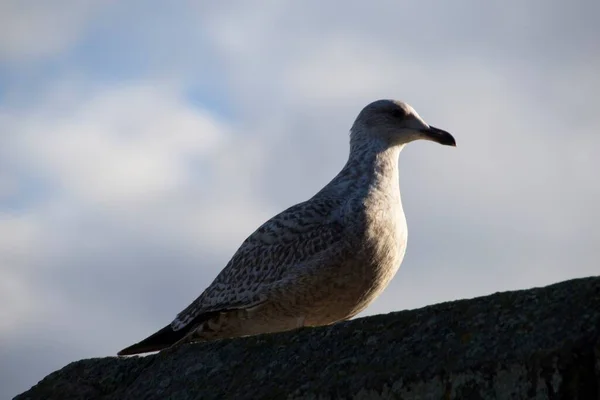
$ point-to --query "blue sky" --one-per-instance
(140, 143)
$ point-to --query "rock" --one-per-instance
(541, 343)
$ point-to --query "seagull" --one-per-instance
(320, 261)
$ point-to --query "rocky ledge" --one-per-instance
(541, 343)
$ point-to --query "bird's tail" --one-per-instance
(160, 340)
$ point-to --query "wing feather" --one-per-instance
(272, 254)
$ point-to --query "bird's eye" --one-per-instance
(397, 113)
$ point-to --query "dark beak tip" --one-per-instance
(440, 136)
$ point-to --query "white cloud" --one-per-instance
(123, 163)
(34, 29)
(8, 185)
(19, 240)
(123, 146)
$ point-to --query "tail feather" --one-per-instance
(160, 340)
(166, 337)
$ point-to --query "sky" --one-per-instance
(141, 142)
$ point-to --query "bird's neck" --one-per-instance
(371, 169)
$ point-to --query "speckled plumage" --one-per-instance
(320, 261)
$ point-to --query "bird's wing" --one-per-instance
(274, 253)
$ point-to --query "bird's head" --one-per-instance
(396, 123)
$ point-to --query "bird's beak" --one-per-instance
(437, 135)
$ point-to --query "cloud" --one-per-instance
(113, 141)
(17, 237)
(33, 30)
(125, 208)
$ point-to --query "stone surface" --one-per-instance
(541, 343)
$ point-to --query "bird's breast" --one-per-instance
(376, 239)
(383, 242)
(379, 244)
